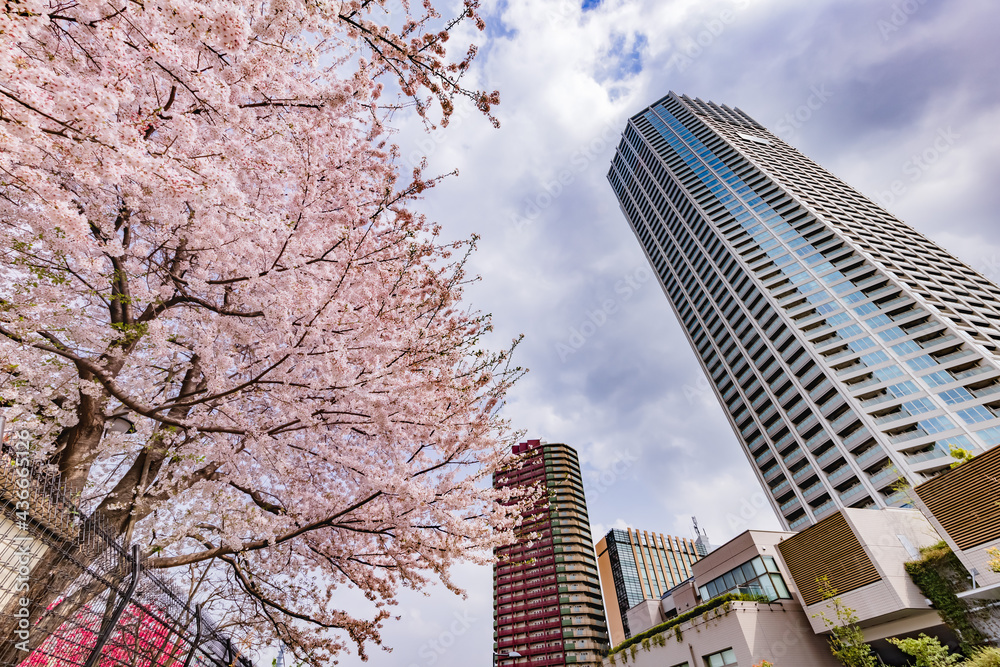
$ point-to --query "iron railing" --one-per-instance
(72, 594)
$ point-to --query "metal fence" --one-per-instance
(72, 595)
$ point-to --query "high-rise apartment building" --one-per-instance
(546, 590)
(849, 351)
(636, 566)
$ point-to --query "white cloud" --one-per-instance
(633, 387)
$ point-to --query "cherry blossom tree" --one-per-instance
(204, 230)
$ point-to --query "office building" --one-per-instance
(695, 632)
(962, 504)
(637, 565)
(849, 352)
(862, 555)
(546, 591)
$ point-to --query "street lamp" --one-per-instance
(508, 654)
(118, 424)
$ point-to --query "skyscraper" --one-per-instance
(546, 591)
(849, 352)
(636, 566)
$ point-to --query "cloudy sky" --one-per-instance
(867, 88)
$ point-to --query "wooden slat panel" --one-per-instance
(966, 500)
(828, 549)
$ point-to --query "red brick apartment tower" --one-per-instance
(546, 592)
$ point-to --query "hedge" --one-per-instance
(686, 616)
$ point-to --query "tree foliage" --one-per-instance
(994, 562)
(927, 650)
(847, 640)
(204, 230)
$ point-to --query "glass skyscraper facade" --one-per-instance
(849, 352)
(636, 566)
(547, 593)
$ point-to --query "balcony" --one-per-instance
(856, 366)
(813, 490)
(975, 370)
(922, 327)
(779, 490)
(870, 456)
(885, 476)
(893, 417)
(852, 494)
(937, 452)
(894, 302)
(906, 436)
(832, 454)
(787, 505)
(832, 404)
(826, 342)
(888, 289)
(803, 473)
(806, 423)
(986, 391)
(844, 419)
(820, 389)
(825, 508)
(936, 341)
(816, 439)
(793, 457)
(858, 437)
(764, 457)
(840, 473)
(954, 355)
(876, 400)
(840, 355)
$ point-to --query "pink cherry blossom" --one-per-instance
(204, 230)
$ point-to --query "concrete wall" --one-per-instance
(893, 605)
(643, 616)
(755, 632)
(19, 554)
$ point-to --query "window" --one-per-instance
(958, 395)
(980, 413)
(936, 424)
(919, 406)
(906, 347)
(877, 321)
(937, 379)
(922, 362)
(721, 659)
(759, 576)
(989, 436)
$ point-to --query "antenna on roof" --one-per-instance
(701, 544)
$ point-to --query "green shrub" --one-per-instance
(714, 603)
(927, 650)
(936, 574)
(984, 657)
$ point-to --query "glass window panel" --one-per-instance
(758, 565)
(957, 395)
(770, 564)
(779, 585)
(730, 581)
(906, 347)
(765, 583)
(989, 436)
(748, 572)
